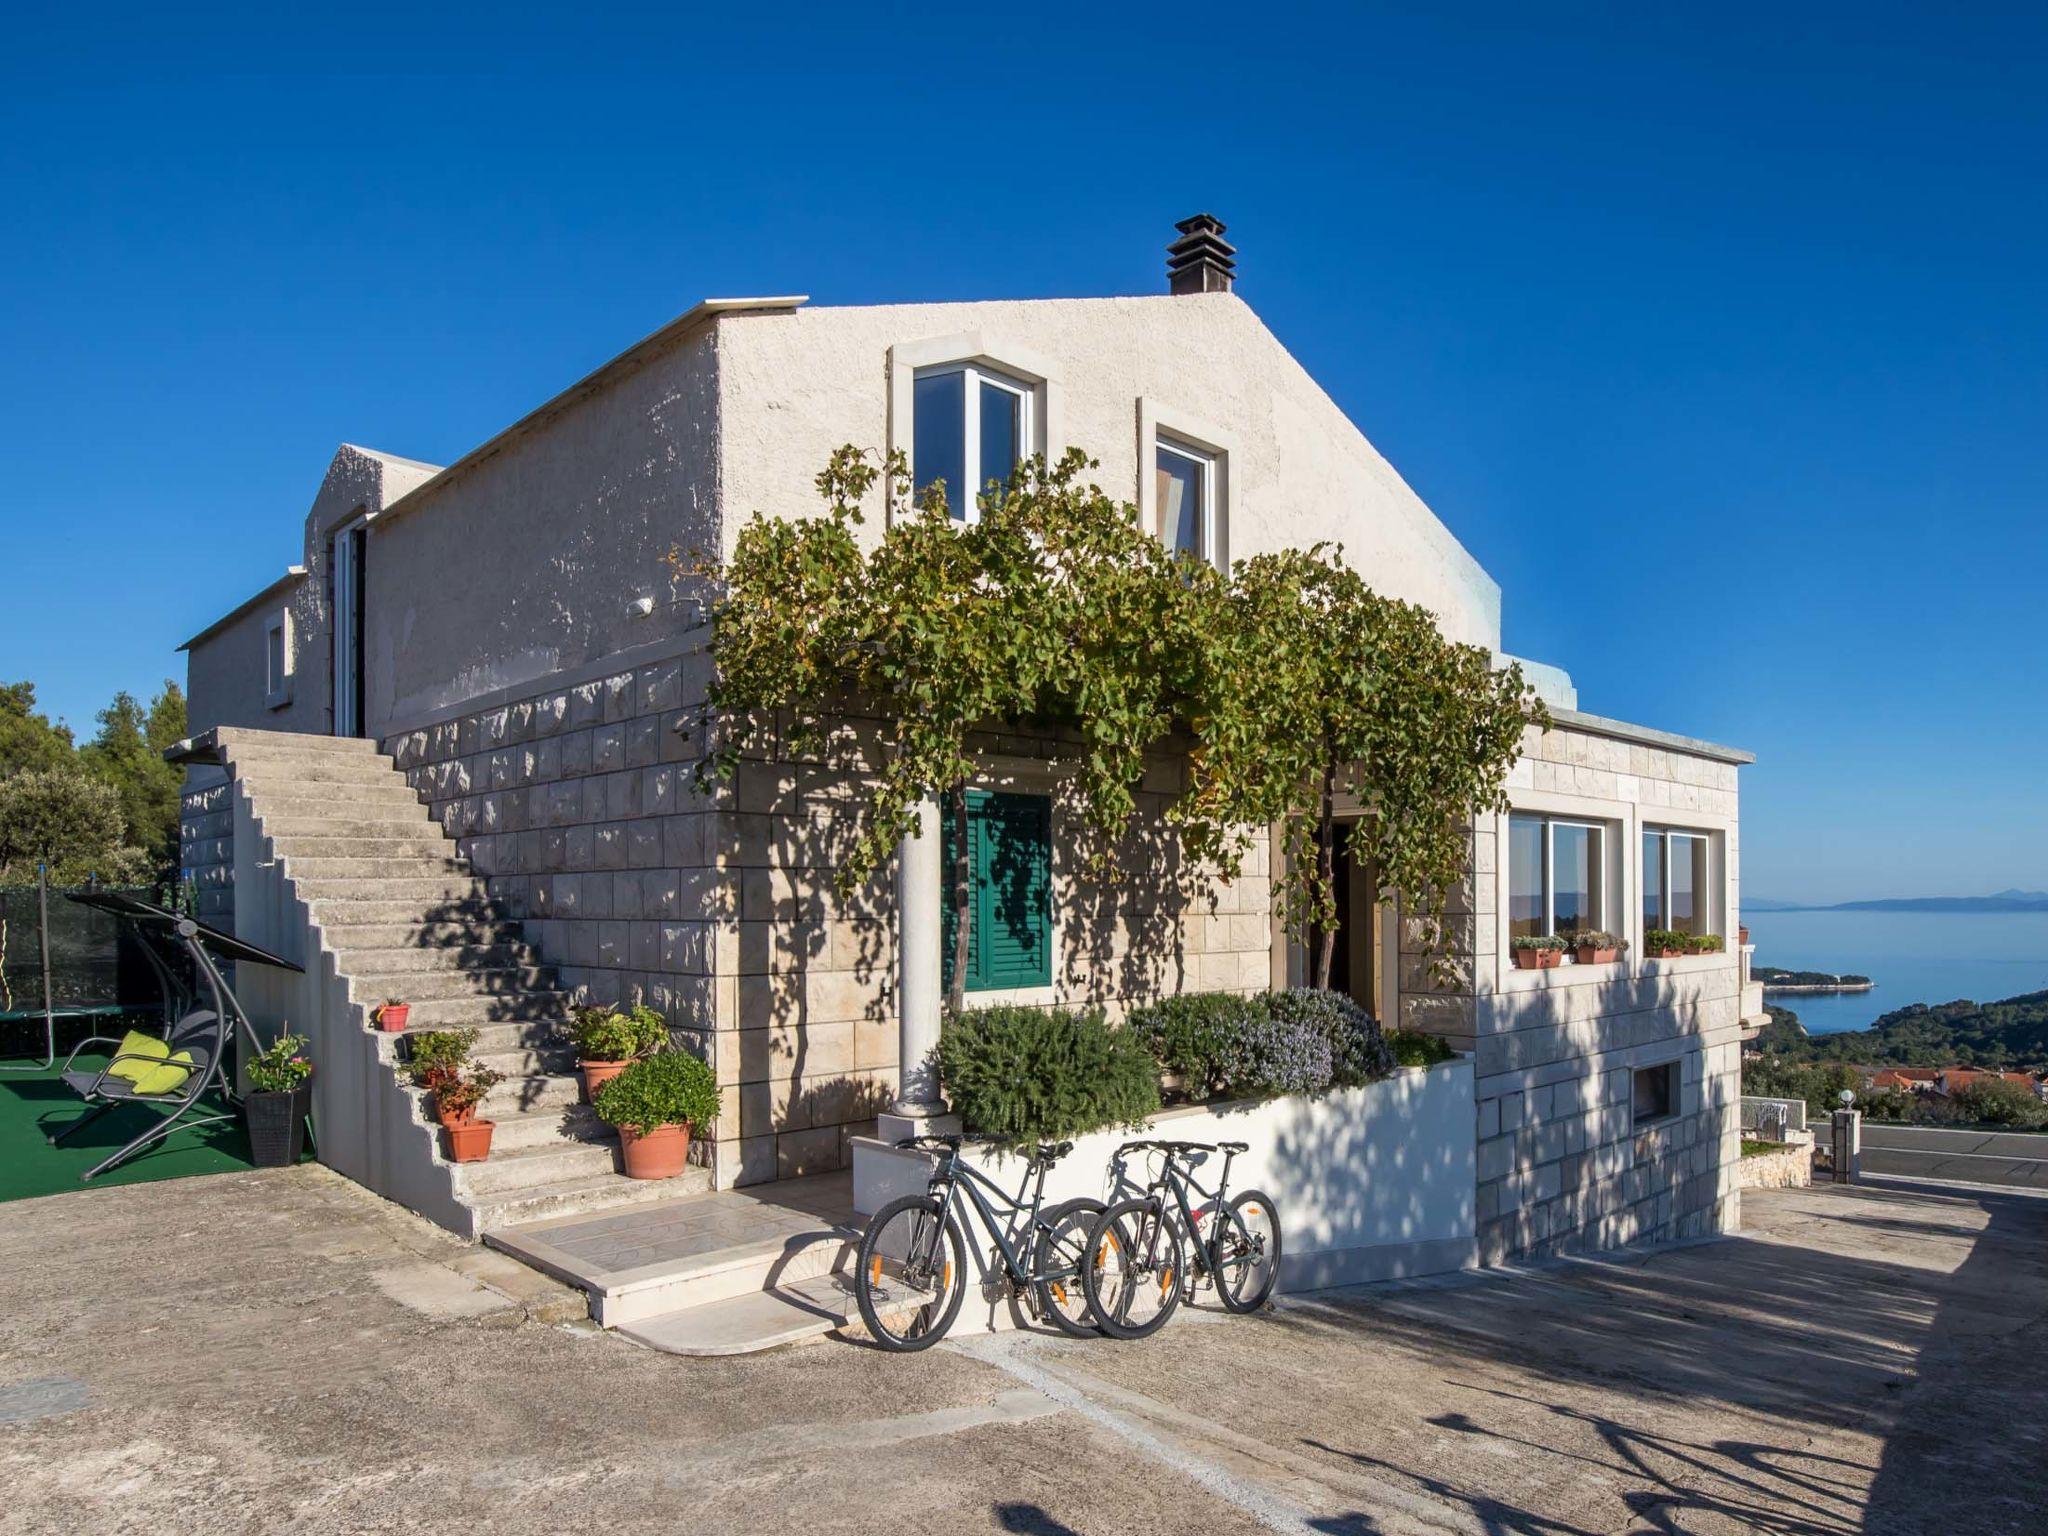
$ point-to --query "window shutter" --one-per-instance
(1010, 844)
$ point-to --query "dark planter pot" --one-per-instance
(277, 1126)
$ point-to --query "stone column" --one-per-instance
(920, 993)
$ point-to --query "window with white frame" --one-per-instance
(1184, 498)
(970, 425)
(277, 661)
(1678, 889)
(1557, 876)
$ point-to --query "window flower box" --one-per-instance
(1538, 953)
(1596, 947)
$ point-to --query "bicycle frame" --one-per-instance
(949, 1173)
(1177, 1176)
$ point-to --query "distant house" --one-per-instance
(504, 646)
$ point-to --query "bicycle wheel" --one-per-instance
(1063, 1248)
(912, 1275)
(1134, 1269)
(1244, 1251)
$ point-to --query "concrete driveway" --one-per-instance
(279, 1350)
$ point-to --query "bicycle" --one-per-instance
(1136, 1272)
(912, 1276)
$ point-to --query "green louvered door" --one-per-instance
(1009, 942)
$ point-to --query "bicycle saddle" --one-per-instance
(1053, 1151)
(1233, 1146)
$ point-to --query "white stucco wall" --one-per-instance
(794, 386)
(1370, 1183)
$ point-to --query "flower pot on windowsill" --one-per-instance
(1588, 955)
(1538, 959)
(1669, 954)
(391, 1017)
(277, 1126)
(659, 1154)
(596, 1074)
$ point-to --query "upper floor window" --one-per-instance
(1184, 495)
(969, 426)
(1557, 877)
(1677, 885)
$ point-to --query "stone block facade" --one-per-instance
(206, 843)
(1563, 1162)
(723, 911)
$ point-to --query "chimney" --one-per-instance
(1201, 260)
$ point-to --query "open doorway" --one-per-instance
(1357, 967)
(346, 552)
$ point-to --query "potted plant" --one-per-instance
(456, 1097)
(1707, 944)
(655, 1104)
(435, 1054)
(609, 1040)
(279, 1099)
(1537, 951)
(391, 1014)
(1596, 946)
(1668, 944)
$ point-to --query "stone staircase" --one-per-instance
(397, 912)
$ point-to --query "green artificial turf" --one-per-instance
(34, 1104)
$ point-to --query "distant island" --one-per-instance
(1998, 901)
(1776, 979)
(2008, 1035)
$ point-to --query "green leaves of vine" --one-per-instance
(1294, 681)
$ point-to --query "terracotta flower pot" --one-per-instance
(391, 1017)
(469, 1141)
(597, 1073)
(1588, 955)
(1538, 959)
(1672, 954)
(660, 1154)
(451, 1118)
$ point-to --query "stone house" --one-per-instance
(447, 754)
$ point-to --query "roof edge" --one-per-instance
(1650, 736)
(589, 384)
(293, 576)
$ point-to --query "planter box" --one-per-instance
(1537, 959)
(277, 1126)
(1371, 1183)
(1590, 956)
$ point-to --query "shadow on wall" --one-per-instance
(1924, 1359)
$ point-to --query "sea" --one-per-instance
(1914, 957)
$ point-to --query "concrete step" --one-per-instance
(325, 819)
(583, 1196)
(426, 938)
(434, 985)
(529, 1061)
(390, 960)
(517, 1170)
(549, 1126)
(465, 1012)
(534, 1094)
(256, 739)
(432, 898)
(301, 769)
(426, 843)
(393, 802)
(320, 867)
(498, 1039)
(794, 1313)
(355, 914)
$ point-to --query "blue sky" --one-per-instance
(1720, 338)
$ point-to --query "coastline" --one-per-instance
(1809, 987)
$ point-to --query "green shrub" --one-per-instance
(672, 1088)
(1543, 941)
(280, 1067)
(1358, 1048)
(1020, 1074)
(1412, 1048)
(612, 1034)
(1656, 939)
(1190, 1033)
(1598, 938)
(434, 1055)
(1994, 1101)
(1274, 1054)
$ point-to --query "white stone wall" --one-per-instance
(1561, 1163)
